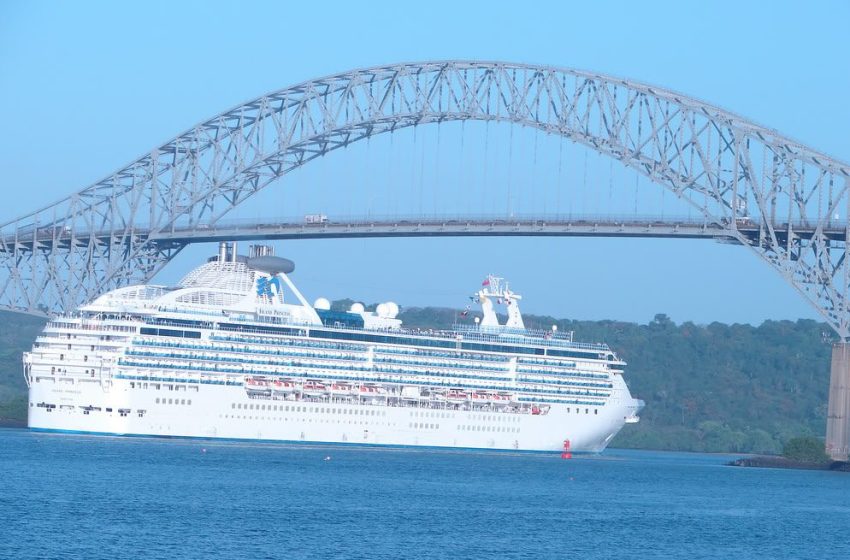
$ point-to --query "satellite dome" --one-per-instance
(382, 310)
(392, 309)
(322, 304)
(357, 308)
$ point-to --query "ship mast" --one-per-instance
(496, 290)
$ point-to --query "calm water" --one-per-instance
(97, 497)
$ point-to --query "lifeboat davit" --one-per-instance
(371, 391)
(456, 397)
(313, 388)
(500, 399)
(340, 389)
(257, 385)
(283, 386)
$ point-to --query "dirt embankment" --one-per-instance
(766, 462)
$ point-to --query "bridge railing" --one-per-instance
(33, 233)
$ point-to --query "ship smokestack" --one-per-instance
(227, 251)
(260, 251)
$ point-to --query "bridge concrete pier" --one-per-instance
(838, 411)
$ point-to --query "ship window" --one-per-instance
(61, 356)
(157, 400)
(189, 402)
(233, 405)
(596, 411)
(69, 347)
(586, 411)
(182, 401)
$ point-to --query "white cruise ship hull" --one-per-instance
(226, 355)
(213, 413)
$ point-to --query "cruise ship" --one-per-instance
(235, 351)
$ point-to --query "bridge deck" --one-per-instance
(269, 229)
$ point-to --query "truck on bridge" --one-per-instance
(315, 219)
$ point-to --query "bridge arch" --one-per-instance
(792, 199)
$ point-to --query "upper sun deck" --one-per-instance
(458, 338)
(254, 294)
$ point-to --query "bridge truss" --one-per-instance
(726, 167)
(729, 169)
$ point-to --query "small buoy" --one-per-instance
(567, 454)
(327, 457)
(203, 450)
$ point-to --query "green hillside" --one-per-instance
(716, 387)
(17, 333)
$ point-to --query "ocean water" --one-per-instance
(65, 496)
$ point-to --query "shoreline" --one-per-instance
(770, 462)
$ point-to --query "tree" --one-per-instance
(807, 449)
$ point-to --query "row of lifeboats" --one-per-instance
(283, 387)
(475, 397)
(265, 386)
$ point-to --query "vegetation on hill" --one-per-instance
(717, 388)
(17, 333)
(805, 449)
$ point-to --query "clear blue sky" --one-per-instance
(86, 87)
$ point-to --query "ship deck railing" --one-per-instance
(459, 333)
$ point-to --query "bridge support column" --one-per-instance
(838, 411)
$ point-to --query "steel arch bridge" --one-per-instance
(722, 164)
(726, 167)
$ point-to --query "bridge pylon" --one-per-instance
(838, 411)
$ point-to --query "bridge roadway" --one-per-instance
(580, 226)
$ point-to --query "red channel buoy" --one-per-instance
(566, 454)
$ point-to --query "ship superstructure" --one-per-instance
(236, 351)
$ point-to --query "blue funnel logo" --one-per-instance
(269, 287)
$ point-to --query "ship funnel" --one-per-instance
(260, 251)
(227, 251)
